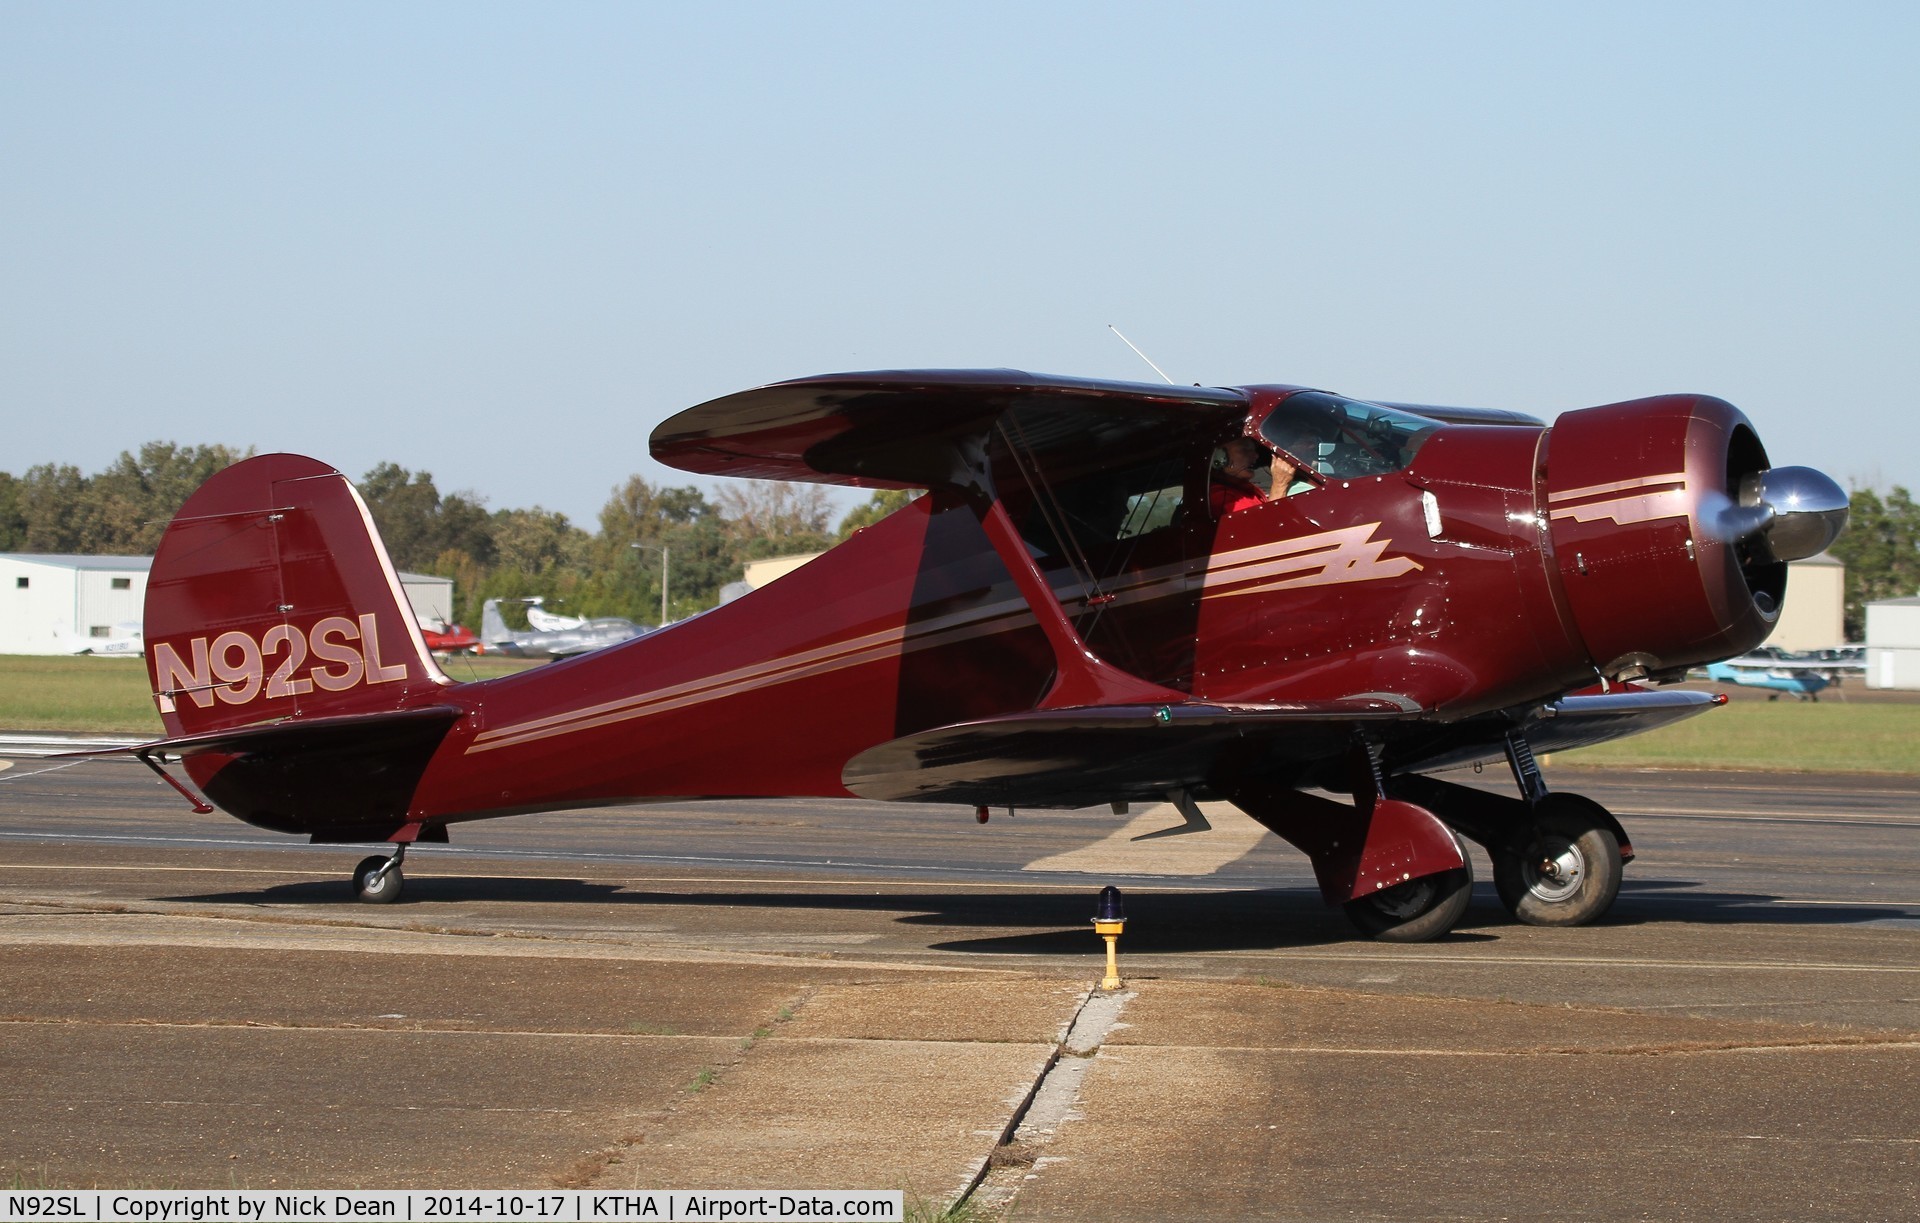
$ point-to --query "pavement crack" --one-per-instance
(1051, 1100)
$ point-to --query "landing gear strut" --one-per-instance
(1563, 867)
(377, 880)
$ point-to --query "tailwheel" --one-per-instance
(377, 880)
(1567, 872)
(1415, 911)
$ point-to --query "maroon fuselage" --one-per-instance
(1506, 564)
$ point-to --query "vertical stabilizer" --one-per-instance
(271, 596)
(493, 626)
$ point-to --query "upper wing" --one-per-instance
(901, 428)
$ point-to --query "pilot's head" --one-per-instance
(1244, 456)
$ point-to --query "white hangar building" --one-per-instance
(1893, 643)
(55, 604)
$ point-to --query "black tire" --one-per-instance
(371, 888)
(1418, 910)
(1569, 873)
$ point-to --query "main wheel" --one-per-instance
(1415, 911)
(374, 888)
(1568, 873)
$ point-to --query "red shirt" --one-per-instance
(1230, 493)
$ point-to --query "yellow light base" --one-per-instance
(1110, 931)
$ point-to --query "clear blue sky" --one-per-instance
(501, 242)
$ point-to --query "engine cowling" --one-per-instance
(1670, 531)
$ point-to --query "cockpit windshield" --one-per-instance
(1344, 438)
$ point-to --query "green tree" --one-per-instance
(127, 507)
(1881, 549)
(13, 521)
(705, 558)
(775, 517)
(537, 542)
(418, 524)
(53, 515)
(639, 512)
(883, 502)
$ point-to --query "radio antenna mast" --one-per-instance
(1141, 355)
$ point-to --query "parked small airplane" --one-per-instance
(444, 638)
(124, 640)
(545, 621)
(1804, 684)
(594, 634)
(1064, 620)
(1804, 673)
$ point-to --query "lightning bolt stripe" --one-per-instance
(1618, 486)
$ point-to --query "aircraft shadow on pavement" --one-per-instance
(1225, 920)
(1675, 900)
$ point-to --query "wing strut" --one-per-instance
(1080, 677)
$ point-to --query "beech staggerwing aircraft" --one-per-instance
(1304, 604)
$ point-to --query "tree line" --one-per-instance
(1881, 549)
(616, 570)
(505, 553)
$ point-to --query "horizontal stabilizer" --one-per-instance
(342, 777)
(294, 734)
(1105, 753)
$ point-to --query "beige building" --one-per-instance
(1814, 617)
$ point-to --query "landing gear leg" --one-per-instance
(377, 880)
(1395, 868)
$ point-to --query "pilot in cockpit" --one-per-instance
(1236, 483)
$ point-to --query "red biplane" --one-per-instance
(1064, 620)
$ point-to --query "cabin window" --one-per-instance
(19, 583)
(1109, 506)
(99, 630)
(123, 583)
(1151, 510)
(1344, 439)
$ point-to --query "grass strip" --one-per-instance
(110, 695)
(1783, 736)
